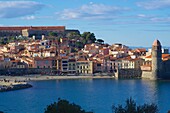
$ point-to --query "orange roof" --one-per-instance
(135, 59)
(65, 57)
(164, 56)
(140, 50)
(47, 58)
(35, 45)
(148, 56)
(15, 60)
(82, 60)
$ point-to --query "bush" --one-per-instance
(131, 107)
(63, 106)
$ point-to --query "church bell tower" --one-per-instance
(156, 60)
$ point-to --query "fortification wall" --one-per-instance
(128, 73)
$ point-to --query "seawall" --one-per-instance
(14, 87)
(128, 73)
(146, 74)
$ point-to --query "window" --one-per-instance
(98, 64)
(64, 68)
(65, 65)
(64, 62)
(46, 62)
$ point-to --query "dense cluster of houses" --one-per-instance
(57, 55)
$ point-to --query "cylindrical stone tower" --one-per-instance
(156, 60)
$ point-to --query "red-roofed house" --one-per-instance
(48, 62)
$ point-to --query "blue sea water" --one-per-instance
(97, 95)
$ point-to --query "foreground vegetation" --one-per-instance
(131, 107)
(63, 106)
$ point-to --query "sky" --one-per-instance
(130, 22)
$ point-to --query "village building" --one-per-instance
(48, 62)
(84, 67)
(72, 66)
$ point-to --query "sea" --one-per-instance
(97, 95)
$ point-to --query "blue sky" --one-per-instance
(131, 22)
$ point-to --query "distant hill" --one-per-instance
(134, 47)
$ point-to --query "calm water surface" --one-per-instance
(97, 95)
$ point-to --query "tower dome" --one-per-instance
(156, 43)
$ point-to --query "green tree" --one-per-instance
(53, 34)
(100, 41)
(73, 35)
(79, 45)
(132, 107)
(63, 106)
(89, 37)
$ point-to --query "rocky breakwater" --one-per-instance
(7, 85)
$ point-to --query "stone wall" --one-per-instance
(128, 73)
(146, 74)
(27, 71)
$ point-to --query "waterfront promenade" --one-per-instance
(45, 77)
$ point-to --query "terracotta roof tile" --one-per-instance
(164, 56)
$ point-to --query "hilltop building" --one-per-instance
(36, 32)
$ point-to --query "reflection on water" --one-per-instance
(150, 91)
(97, 95)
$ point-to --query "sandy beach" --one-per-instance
(43, 77)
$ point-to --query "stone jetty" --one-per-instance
(7, 85)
